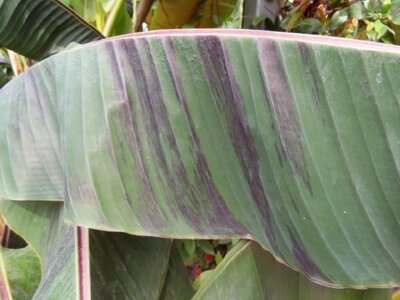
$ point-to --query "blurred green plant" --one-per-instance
(374, 20)
(5, 68)
(202, 256)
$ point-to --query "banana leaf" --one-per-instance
(40, 28)
(289, 140)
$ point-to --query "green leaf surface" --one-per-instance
(205, 246)
(6, 72)
(338, 18)
(248, 272)
(89, 10)
(377, 6)
(127, 267)
(310, 25)
(394, 12)
(177, 285)
(131, 267)
(119, 21)
(41, 225)
(235, 20)
(189, 246)
(40, 28)
(356, 10)
(22, 270)
(77, 6)
(381, 28)
(290, 140)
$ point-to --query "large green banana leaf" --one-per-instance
(290, 140)
(40, 28)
